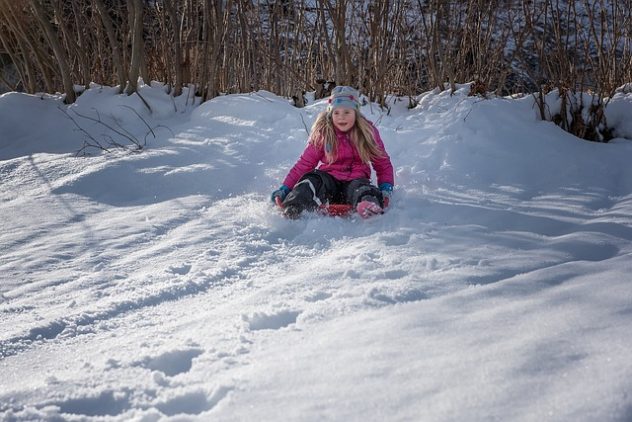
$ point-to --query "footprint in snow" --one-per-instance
(193, 402)
(274, 321)
(106, 403)
(317, 296)
(393, 297)
(171, 363)
(180, 270)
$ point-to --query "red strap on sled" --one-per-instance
(334, 210)
(337, 210)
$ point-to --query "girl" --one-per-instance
(346, 145)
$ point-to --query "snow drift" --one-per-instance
(162, 285)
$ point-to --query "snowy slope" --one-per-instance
(162, 285)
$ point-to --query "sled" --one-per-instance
(332, 210)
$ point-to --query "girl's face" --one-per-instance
(343, 118)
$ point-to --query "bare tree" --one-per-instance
(135, 9)
(289, 47)
(337, 13)
(172, 11)
(60, 54)
(117, 57)
(17, 43)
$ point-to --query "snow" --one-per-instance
(162, 285)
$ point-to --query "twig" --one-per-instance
(99, 121)
(141, 118)
(144, 101)
(86, 144)
(166, 127)
(259, 95)
(304, 124)
(472, 108)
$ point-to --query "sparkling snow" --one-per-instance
(162, 285)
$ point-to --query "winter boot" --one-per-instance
(368, 209)
(292, 212)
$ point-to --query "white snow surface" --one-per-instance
(162, 285)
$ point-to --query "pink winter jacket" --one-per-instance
(348, 165)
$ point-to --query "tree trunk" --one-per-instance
(84, 48)
(173, 17)
(338, 13)
(136, 26)
(17, 63)
(16, 22)
(60, 55)
(218, 28)
(117, 58)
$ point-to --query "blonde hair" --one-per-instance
(323, 135)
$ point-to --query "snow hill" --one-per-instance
(162, 285)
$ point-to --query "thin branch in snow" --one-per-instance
(304, 124)
(99, 121)
(143, 120)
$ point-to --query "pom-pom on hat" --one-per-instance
(344, 96)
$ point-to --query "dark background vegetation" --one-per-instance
(289, 47)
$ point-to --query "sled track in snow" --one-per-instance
(87, 322)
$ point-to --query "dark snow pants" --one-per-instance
(317, 187)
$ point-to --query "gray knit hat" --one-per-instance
(344, 96)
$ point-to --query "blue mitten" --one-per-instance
(281, 193)
(387, 192)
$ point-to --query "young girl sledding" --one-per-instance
(346, 145)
